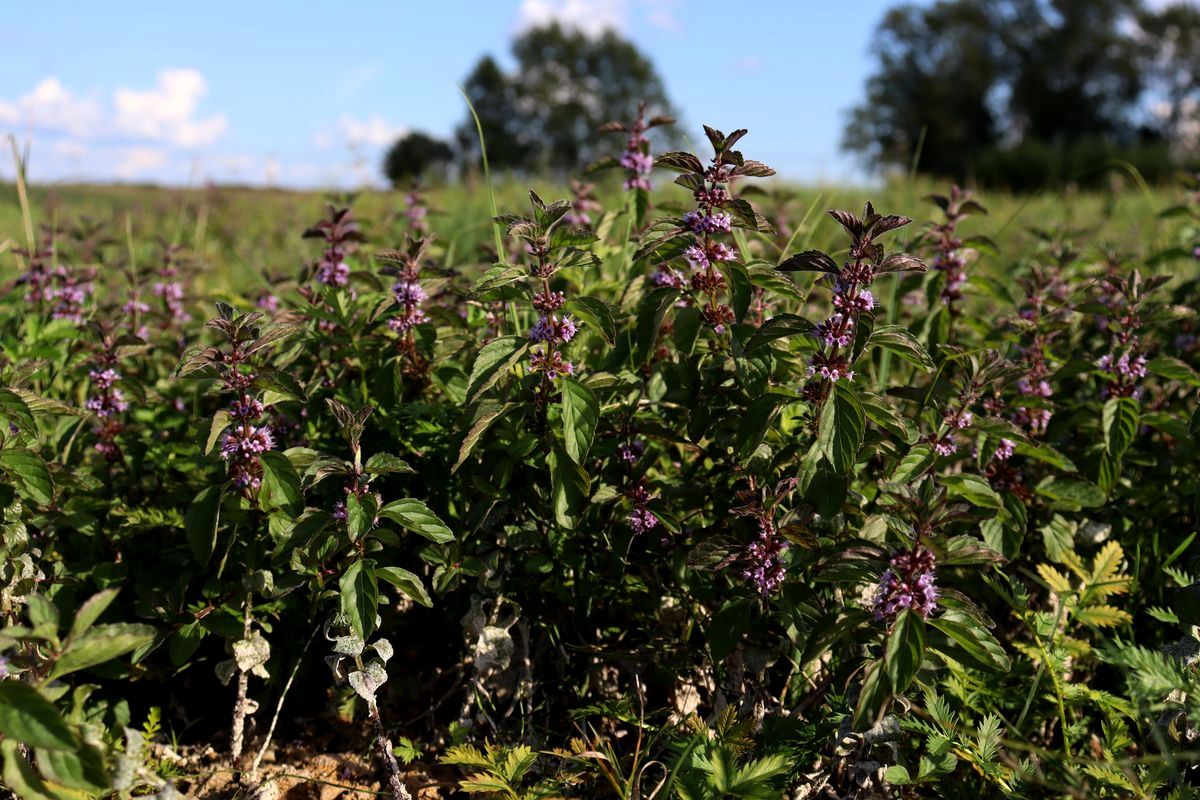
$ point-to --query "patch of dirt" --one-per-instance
(298, 772)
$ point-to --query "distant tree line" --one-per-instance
(1030, 93)
(543, 114)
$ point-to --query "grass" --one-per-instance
(245, 234)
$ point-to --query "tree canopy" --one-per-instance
(565, 85)
(963, 78)
(415, 154)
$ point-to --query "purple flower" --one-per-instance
(830, 367)
(339, 511)
(245, 408)
(637, 161)
(552, 365)
(837, 331)
(242, 444)
(267, 302)
(945, 446)
(642, 520)
(959, 420)
(696, 256)
(630, 452)
(408, 293)
(550, 328)
(108, 404)
(333, 274)
(3, 668)
(908, 583)
(1005, 450)
(763, 559)
(863, 301)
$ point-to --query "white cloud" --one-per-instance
(164, 114)
(51, 106)
(167, 112)
(374, 131)
(139, 162)
(594, 17)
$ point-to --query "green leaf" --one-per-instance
(972, 638)
(972, 488)
(280, 488)
(596, 313)
(841, 429)
(1173, 369)
(897, 339)
(28, 717)
(20, 776)
(778, 327)
(1120, 422)
(200, 523)
(220, 422)
(496, 277)
(408, 583)
(386, 463)
(90, 611)
(29, 471)
(486, 415)
(101, 644)
(897, 775)
(569, 486)
(905, 649)
(872, 697)
(1070, 494)
(82, 769)
(1046, 454)
(918, 459)
(360, 515)
(580, 416)
(883, 414)
(358, 597)
(727, 626)
(16, 412)
(415, 516)
(494, 360)
(758, 418)
(651, 311)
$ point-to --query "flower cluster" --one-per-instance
(248, 435)
(416, 211)
(636, 159)
(404, 267)
(169, 288)
(341, 234)
(907, 583)
(107, 402)
(852, 296)
(61, 291)
(762, 560)
(950, 258)
(1124, 365)
(705, 253)
(641, 519)
(583, 204)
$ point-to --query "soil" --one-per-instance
(298, 771)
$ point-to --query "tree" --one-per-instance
(978, 76)
(494, 98)
(937, 68)
(1074, 72)
(1170, 42)
(565, 85)
(413, 155)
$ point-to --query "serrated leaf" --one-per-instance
(580, 416)
(415, 516)
(494, 360)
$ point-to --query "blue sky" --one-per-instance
(308, 94)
